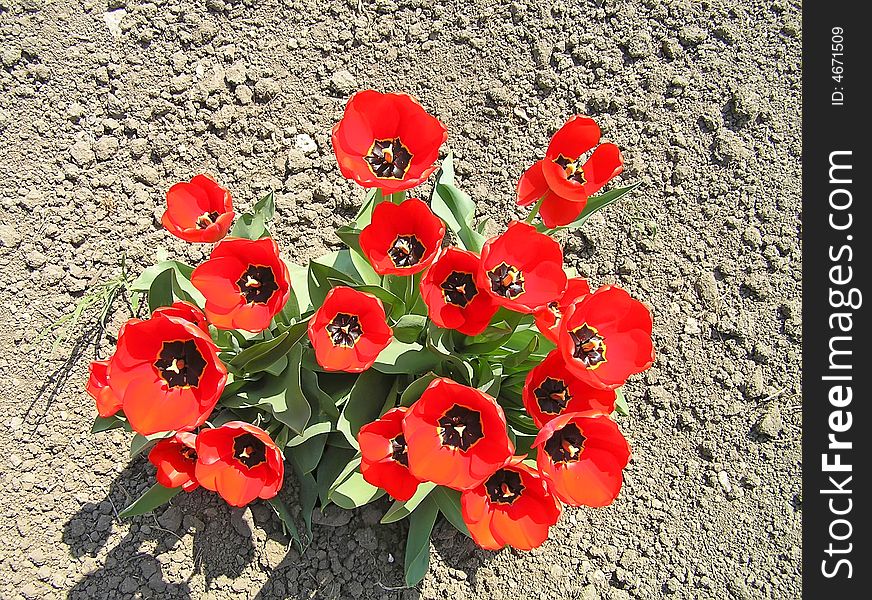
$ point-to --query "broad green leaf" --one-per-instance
(400, 357)
(409, 327)
(161, 291)
(421, 523)
(355, 492)
(621, 406)
(311, 432)
(400, 510)
(364, 215)
(140, 442)
(300, 286)
(455, 208)
(350, 236)
(288, 404)
(596, 204)
(337, 266)
(448, 501)
(392, 303)
(265, 207)
(333, 462)
(517, 358)
(315, 395)
(307, 454)
(308, 498)
(154, 497)
(262, 355)
(350, 467)
(523, 443)
(488, 377)
(107, 423)
(368, 396)
(414, 390)
(519, 420)
(287, 519)
(251, 224)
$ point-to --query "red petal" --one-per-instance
(604, 164)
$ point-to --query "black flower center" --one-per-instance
(460, 427)
(459, 288)
(249, 450)
(188, 453)
(572, 168)
(406, 251)
(180, 363)
(506, 281)
(554, 307)
(344, 330)
(552, 396)
(257, 284)
(388, 159)
(565, 445)
(206, 219)
(504, 486)
(590, 347)
(398, 450)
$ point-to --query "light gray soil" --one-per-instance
(102, 108)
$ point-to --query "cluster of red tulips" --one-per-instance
(470, 376)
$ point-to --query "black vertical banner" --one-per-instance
(837, 424)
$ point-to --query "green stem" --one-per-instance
(535, 210)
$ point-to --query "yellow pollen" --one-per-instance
(505, 490)
(251, 282)
(388, 155)
(571, 449)
(177, 366)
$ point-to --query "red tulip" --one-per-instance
(513, 507)
(552, 390)
(245, 284)
(455, 435)
(175, 459)
(186, 311)
(548, 316)
(240, 462)
(454, 290)
(563, 179)
(387, 141)
(384, 461)
(524, 268)
(198, 211)
(605, 337)
(98, 388)
(166, 373)
(349, 330)
(582, 458)
(402, 239)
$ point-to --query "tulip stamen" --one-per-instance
(388, 159)
(459, 288)
(566, 444)
(572, 169)
(506, 280)
(344, 330)
(590, 347)
(406, 251)
(460, 427)
(180, 363)
(504, 486)
(552, 395)
(399, 451)
(249, 450)
(257, 284)
(206, 219)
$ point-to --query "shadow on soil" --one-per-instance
(350, 558)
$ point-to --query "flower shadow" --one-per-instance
(151, 556)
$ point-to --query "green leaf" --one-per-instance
(107, 423)
(315, 395)
(621, 406)
(448, 501)
(596, 204)
(364, 215)
(517, 358)
(355, 492)
(350, 236)
(161, 291)
(300, 287)
(488, 377)
(306, 454)
(287, 519)
(166, 282)
(523, 443)
(408, 328)
(154, 497)
(333, 462)
(265, 207)
(308, 498)
(414, 390)
(140, 442)
(251, 225)
(392, 303)
(368, 396)
(400, 510)
(262, 355)
(401, 357)
(418, 541)
(288, 404)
